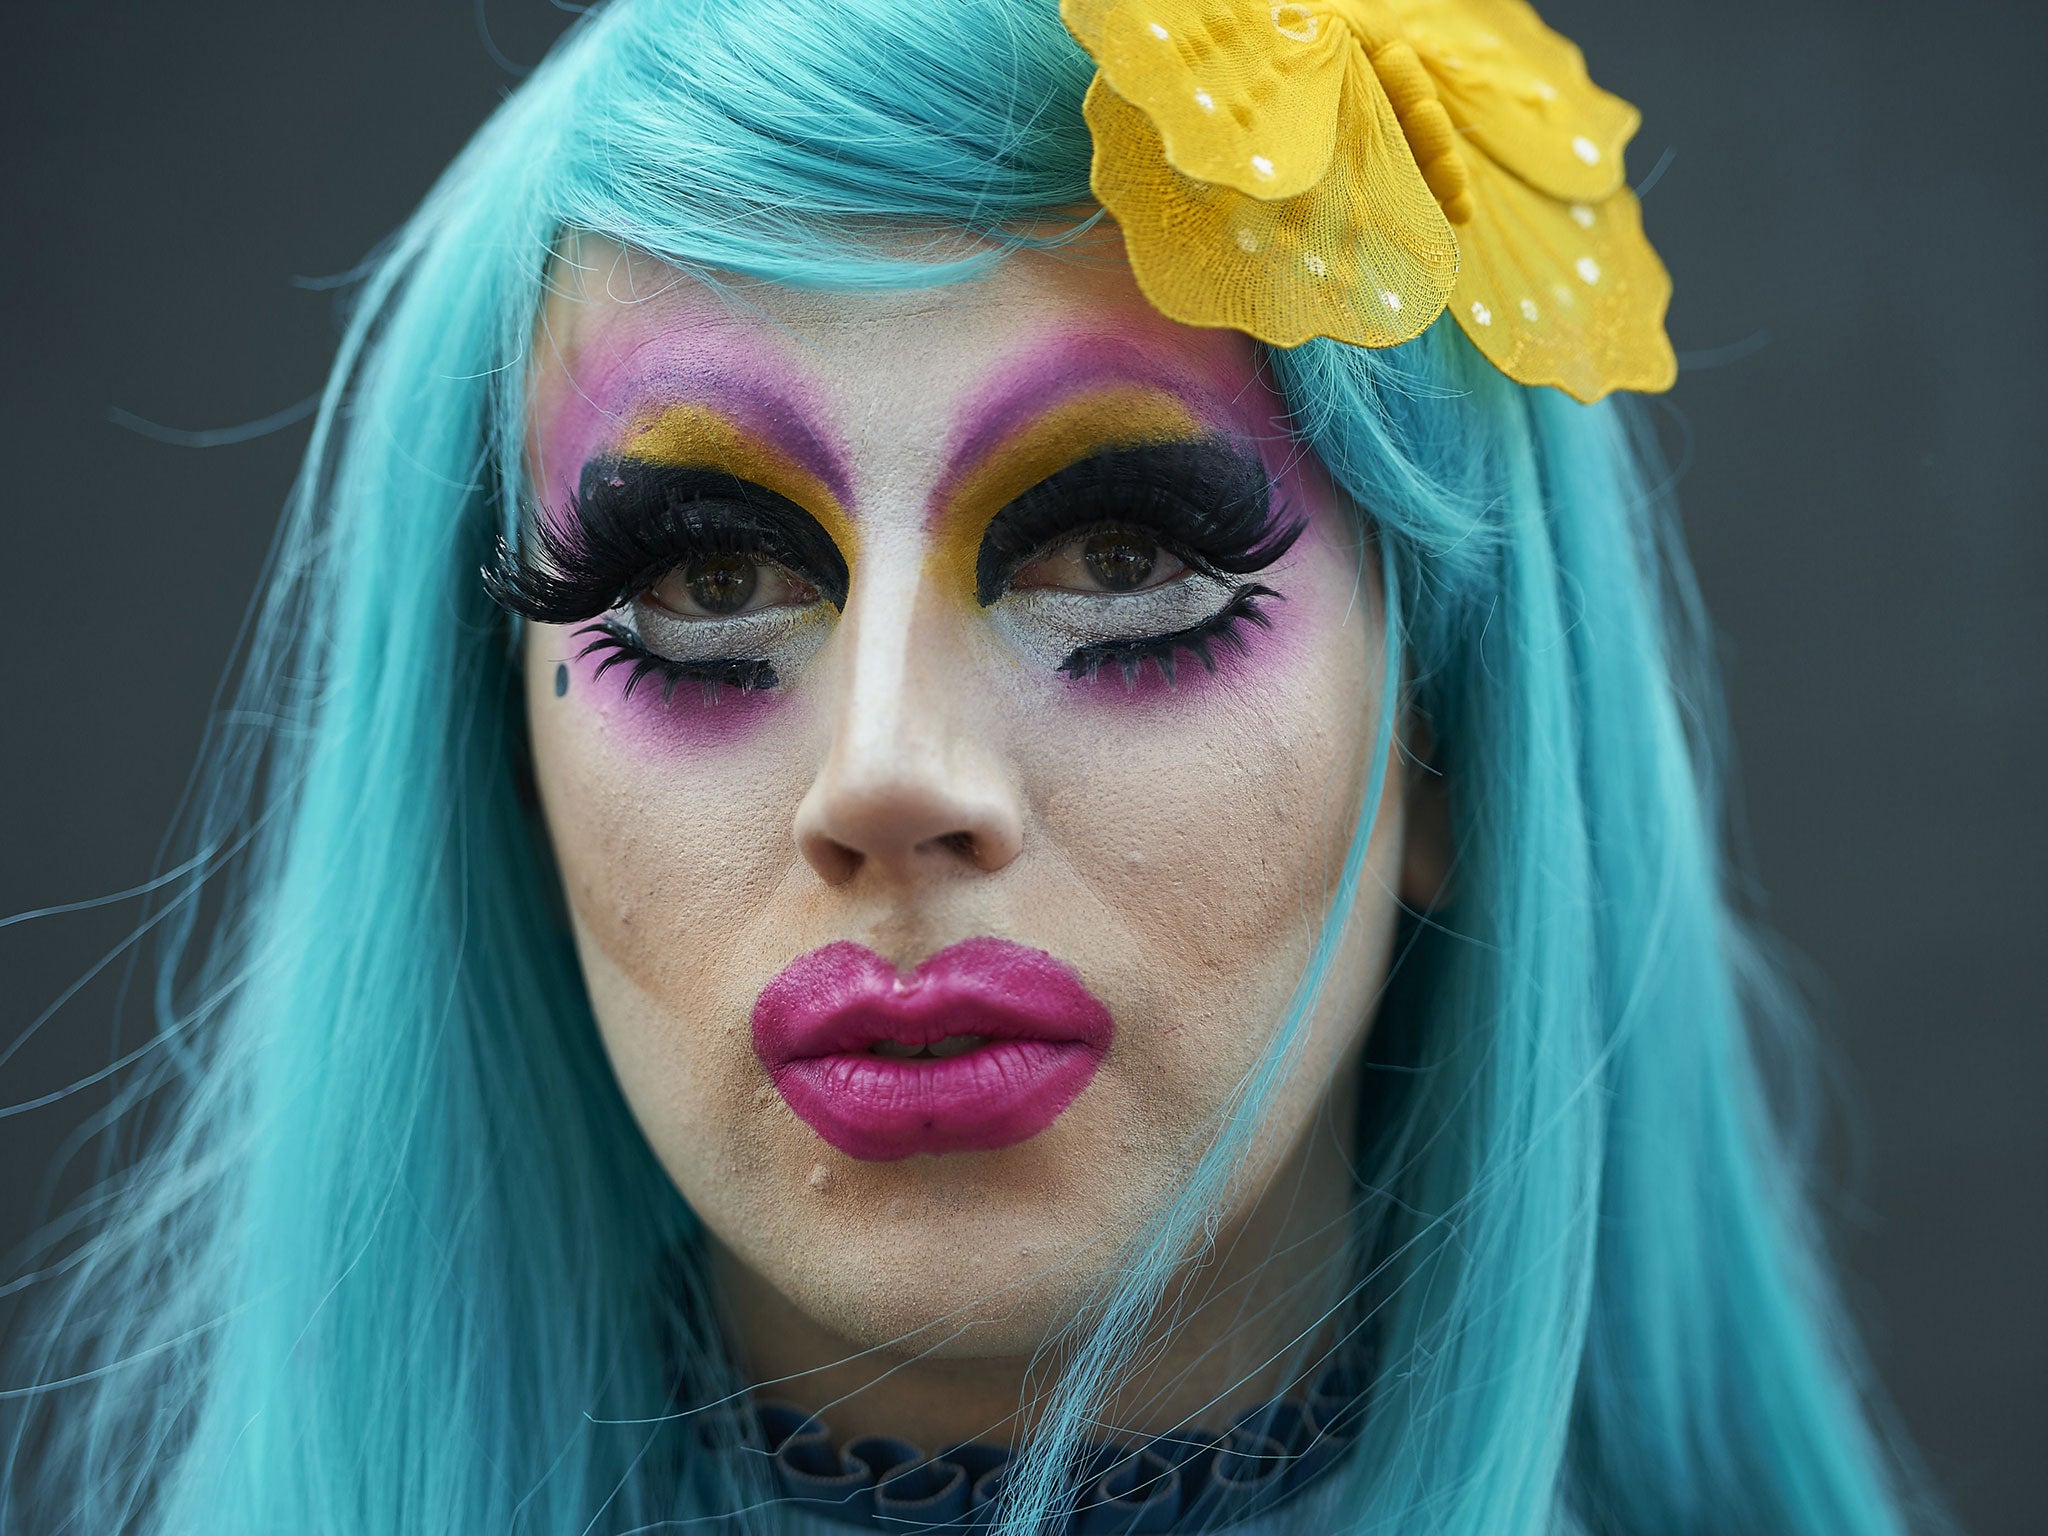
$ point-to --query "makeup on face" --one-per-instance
(1135, 554)
(688, 574)
(982, 1046)
(1104, 529)
(700, 546)
(1037, 487)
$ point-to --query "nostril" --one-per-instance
(834, 861)
(961, 843)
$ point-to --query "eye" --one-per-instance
(1118, 558)
(723, 586)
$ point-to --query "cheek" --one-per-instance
(1254, 659)
(676, 857)
(670, 821)
(1210, 817)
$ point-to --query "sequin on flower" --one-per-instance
(1349, 168)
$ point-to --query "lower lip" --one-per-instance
(1045, 1035)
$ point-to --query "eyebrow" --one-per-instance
(1162, 401)
(720, 421)
(618, 408)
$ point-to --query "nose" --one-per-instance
(912, 785)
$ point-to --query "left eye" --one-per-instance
(1114, 559)
(721, 586)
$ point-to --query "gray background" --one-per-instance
(1853, 211)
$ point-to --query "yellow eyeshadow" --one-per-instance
(1065, 434)
(697, 435)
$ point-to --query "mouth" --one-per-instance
(984, 1045)
(938, 1050)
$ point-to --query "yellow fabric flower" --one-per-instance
(1349, 168)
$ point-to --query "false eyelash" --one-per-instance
(748, 676)
(631, 520)
(1208, 502)
(1223, 629)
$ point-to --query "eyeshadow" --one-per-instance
(1206, 499)
(631, 520)
(701, 392)
(1223, 630)
(755, 434)
(1068, 395)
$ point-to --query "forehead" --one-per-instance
(855, 373)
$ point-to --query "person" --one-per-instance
(978, 791)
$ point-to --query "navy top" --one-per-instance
(1186, 1481)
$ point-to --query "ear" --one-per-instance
(1426, 835)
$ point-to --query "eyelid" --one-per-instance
(1062, 541)
(1205, 499)
(632, 519)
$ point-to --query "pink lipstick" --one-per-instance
(982, 1046)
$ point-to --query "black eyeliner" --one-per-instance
(1221, 630)
(1205, 499)
(632, 520)
(746, 674)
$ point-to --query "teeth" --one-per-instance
(938, 1050)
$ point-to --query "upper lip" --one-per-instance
(845, 998)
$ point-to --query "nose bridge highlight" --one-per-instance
(908, 782)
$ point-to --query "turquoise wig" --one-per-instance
(396, 1258)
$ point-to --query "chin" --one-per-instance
(972, 1254)
(1004, 1308)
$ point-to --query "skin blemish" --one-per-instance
(561, 679)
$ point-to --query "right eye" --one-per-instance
(1118, 558)
(726, 586)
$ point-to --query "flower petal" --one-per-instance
(1520, 93)
(1242, 95)
(1569, 294)
(1364, 256)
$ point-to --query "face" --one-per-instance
(949, 710)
